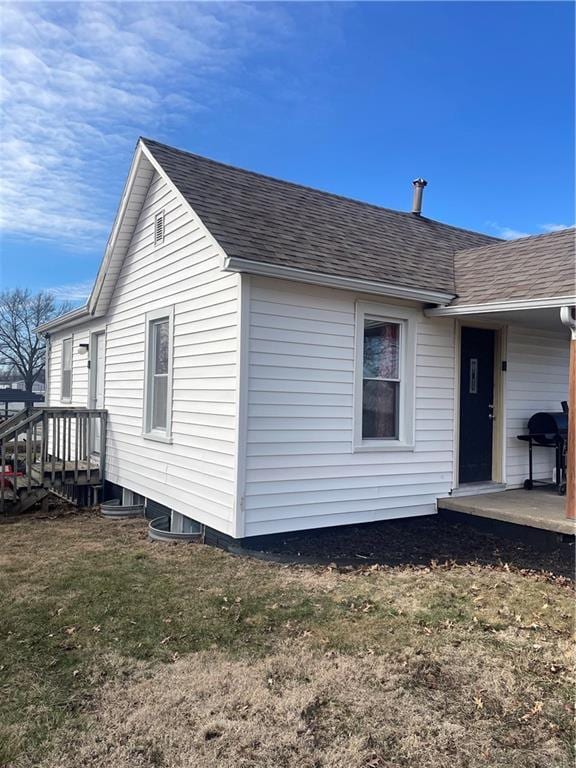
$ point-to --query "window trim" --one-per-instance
(406, 317)
(160, 435)
(68, 398)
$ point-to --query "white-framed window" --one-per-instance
(159, 228)
(158, 374)
(66, 387)
(384, 385)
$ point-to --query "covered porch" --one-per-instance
(541, 509)
(534, 366)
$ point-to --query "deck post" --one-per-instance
(2, 472)
(43, 447)
(103, 427)
(54, 448)
(29, 438)
(568, 316)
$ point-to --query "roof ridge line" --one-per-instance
(502, 241)
(307, 187)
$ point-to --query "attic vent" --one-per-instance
(159, 228)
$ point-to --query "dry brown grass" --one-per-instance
(118, 653)
(301, 709)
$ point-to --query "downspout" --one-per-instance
(568, 317)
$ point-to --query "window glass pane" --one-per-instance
(161, 347)
(66, 383)
(67, 354)
(67, 368)
(159, 401)
(381, 349)
(380, 409)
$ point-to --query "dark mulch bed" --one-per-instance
(419, 541)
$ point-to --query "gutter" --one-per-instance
(237, 264)
(70, 318)
(500, 306)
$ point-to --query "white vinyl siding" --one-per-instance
(536, 380)
(80, 370)
(264, 439)
(194, 474)
(301, 471)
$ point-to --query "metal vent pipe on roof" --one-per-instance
(419, 185)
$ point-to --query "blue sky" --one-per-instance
(355, 98)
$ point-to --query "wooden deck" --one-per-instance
(62, 473)
(542, 509)
(58, 449)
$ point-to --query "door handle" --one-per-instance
(491, 415)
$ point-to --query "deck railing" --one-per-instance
(51, 447)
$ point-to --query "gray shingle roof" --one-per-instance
(536, 267)
(264, 219)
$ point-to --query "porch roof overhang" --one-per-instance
(541, 314)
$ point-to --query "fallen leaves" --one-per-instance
(536, 710)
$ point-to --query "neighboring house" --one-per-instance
(39, 386)
(9, 405)
(276, 358)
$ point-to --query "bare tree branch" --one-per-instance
(21, 350)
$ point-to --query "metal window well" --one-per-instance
(114, 510)
(159, 529)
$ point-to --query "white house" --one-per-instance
(276, 358)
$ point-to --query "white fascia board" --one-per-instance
(89, 310)
(237, 264)
(64, 321)
(110, 245)
(501, 306)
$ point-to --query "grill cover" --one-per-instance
(550, 426)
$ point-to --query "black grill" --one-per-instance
(548, 429)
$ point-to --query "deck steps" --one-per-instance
(51, 449)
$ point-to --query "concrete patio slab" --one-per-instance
(536, 509)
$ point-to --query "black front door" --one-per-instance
(476, 404)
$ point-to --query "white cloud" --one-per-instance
(74, 292)
(508, 233)
(512, 234)
(555, 227)
(80, 82)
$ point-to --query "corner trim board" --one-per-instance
(243, 352)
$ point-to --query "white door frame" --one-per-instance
(92, 378)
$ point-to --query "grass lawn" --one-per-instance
(118, 652)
